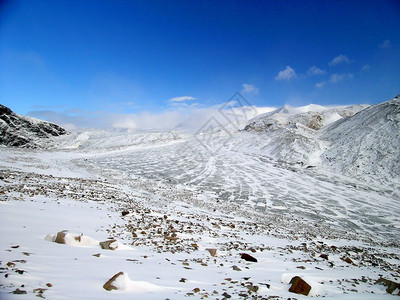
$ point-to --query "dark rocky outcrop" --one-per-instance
(25, 132)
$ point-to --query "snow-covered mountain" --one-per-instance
(367, 143)
(21, 131)
(180, 213)
(359, 141)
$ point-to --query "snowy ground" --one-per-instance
(181, 201)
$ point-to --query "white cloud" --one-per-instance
(386, 44)
(366, 68)
(335, 78)
(340, 59)
(315, 71)
(286, 74)
(190, 119)
(250, 88)
(181, 99)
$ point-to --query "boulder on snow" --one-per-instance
(391, 285)
(109, 245)
(248, 257)
(60, 237)
(110, 284)
(299, 286)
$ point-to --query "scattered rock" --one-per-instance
(19, 292)
(97, 254)
(60, 237)
(301, 267)
(324, 256)
(109, 245)
(10, 264)
(109, 285)
(348, 260)
(391, 285)
(49, 284)
(183, 280)
(226, 295)
(248, 257)
(196, 290)
(236, 268)
(212, 251)
(252, 288)
(299, 286)
(124, 213)
(15, 247)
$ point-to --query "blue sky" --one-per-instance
(73, 61)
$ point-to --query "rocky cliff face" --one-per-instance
(26, 132)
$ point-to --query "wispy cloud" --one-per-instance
(335, 78)
(315, 71)
(182, 99)
(366, 68)
(386, 44)
(250, 88)
(340, 59)
(286, 74)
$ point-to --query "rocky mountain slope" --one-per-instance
(26, 132)
(367, 142)
(359, 141)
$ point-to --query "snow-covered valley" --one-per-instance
(285, 190)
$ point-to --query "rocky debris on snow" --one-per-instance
(20, 131)
(390, 285)
(111, 283)
(299, 286)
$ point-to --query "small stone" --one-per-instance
(252, 288)
(301, 267)
(109, 284)
(226, 295)
(248, 257)
(49, 284)
(97, 254)
(196, 290)
(60, 237)
(19, 292)
(212, 251)
(10, 264)
(236, 268)
(299, 286)
(124, 213)
(348, 260)
(15, 247)
(324, 256)
(183, 280)
(109, 245)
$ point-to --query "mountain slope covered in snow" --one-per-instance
(21, 131)
(359, 141)
(367, 143)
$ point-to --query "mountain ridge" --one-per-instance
(25, 132)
